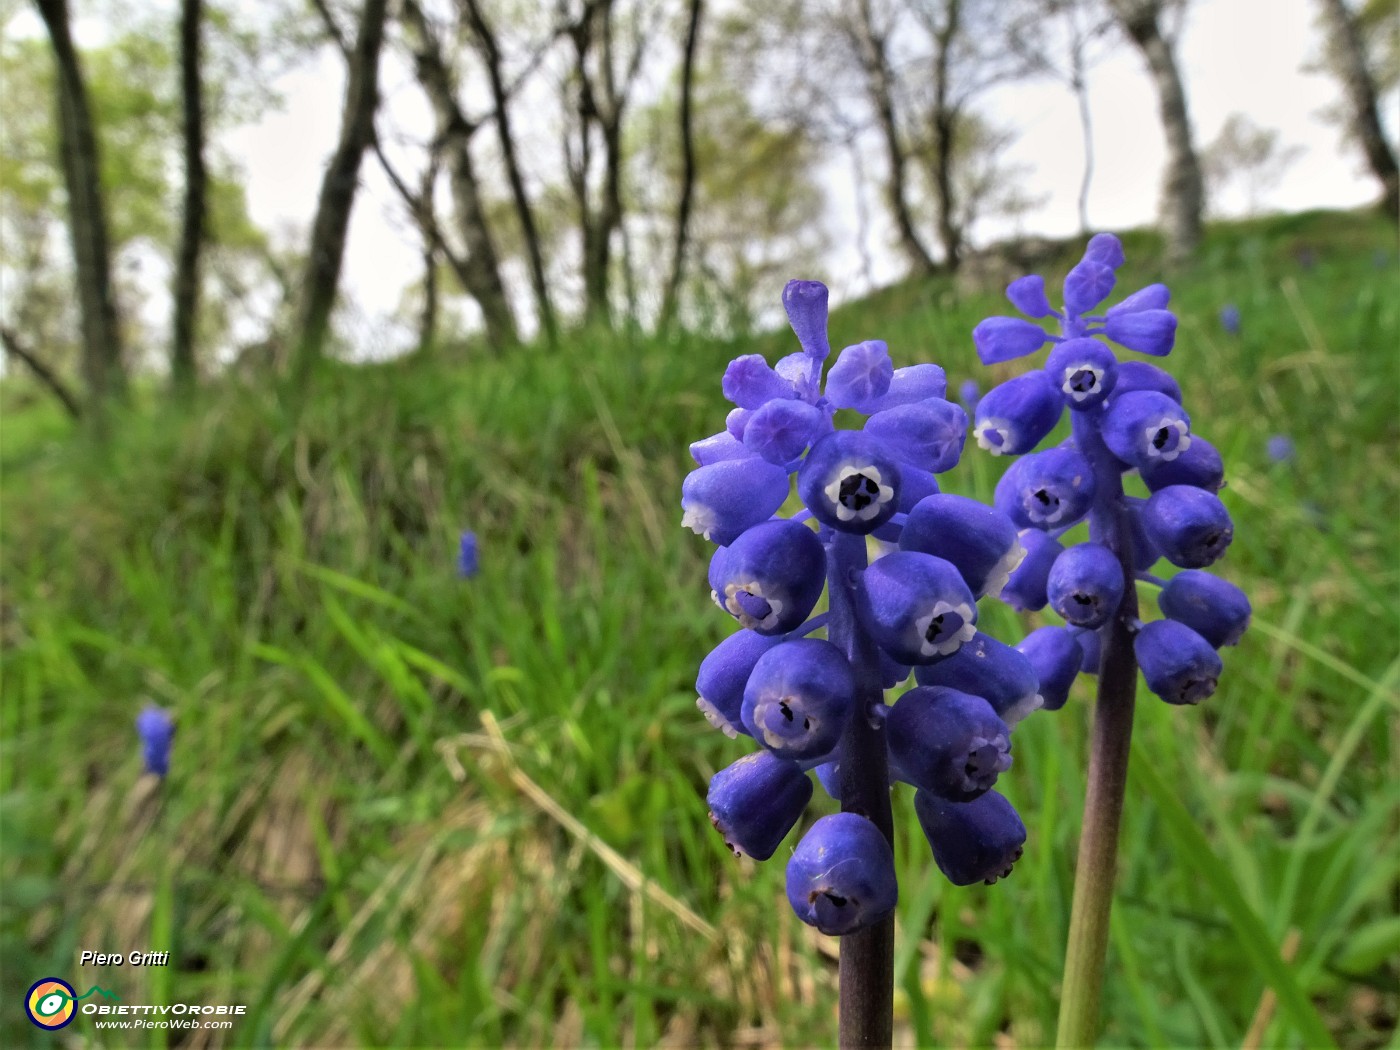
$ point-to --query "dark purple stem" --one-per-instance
(867, 957)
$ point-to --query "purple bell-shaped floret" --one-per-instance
(948, 742)
(1017, 415)
(1178, 664)
(977, 841)
(1190, 526)
(798, 699)
(1215, 609)
(770, 578)
(756, 801)
(979, 540)
(841, 876)
(1086, 585)
(916, 606)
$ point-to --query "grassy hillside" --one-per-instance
(408, 809)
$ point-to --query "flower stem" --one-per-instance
(1109, 744)
(867, 956)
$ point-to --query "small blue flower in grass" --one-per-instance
(156, 729)
(817, 703)
(1230, 318)
(1126, 416)
(969, 394)
(1280, 448)
(468, 562)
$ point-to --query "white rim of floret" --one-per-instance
(1080, 395)
(1002, 570)
(777, 741)
(716, 718)
(1032, 508)
(1001, 426)
(884, 493)
(1167, 423)
(701, 520)
(1021, 708)
(731, 604)
(953, 642)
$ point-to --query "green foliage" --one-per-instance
(344, 845)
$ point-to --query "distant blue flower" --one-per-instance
(156, 729)
(1230, 318)
(969, 393)
(467, 562)
(1280, 448)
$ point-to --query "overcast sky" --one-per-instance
(1237, 56)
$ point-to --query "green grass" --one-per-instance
(406, 809)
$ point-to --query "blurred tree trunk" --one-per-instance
(338, 187)
(943, 119)
(874, 59)
(427, 225)
(1349, 63)
(671, 298)
(601, 106)
(183, 370)
(1183, 195)
(87, 227)
(480, 271)
(525, 215)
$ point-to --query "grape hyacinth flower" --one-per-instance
(1280, 448)
(1126, 416)
(810, 703)
(468, 562)
(156, 729)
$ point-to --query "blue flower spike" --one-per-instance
(468, 557)
(809, 687)
(1127, 416)
(156, 728)
(841, 876)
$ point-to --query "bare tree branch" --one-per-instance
(15, 347)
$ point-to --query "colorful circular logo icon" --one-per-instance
(50, 1003)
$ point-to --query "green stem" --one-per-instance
(1109, 745)
(1098, 843)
